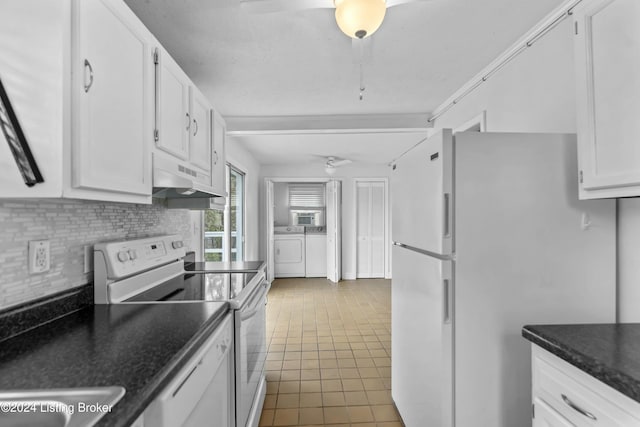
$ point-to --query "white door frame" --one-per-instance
(387, 228)
(270, 214)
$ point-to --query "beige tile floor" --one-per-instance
(329, 354)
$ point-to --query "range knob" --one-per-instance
(177, 244)
(123, 256)
(133, 254)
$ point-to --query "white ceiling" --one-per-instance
(300, 64)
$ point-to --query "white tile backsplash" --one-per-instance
(69, 225)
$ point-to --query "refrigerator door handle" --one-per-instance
(446, 207)
(446, 299)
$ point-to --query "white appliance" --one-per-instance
(306, 217)
(201, 394)
(315, 252)
(289, 251)
(489, 235)
(151, 270)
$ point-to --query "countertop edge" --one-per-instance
(623, 383)
(169, 371)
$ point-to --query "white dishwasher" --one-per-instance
(289, 252)
(201, 394)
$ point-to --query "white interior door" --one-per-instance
(334, 230)
(270, 232)
(370, 229)
(422, 195)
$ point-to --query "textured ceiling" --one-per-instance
(270, 69)
(299, 63)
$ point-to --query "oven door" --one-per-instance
(251, 351)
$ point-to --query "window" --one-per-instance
(306, 195)
(236, 212)
(224, 229)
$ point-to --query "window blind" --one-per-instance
(306, 195)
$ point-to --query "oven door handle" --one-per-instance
(259, 296)
(249, 315)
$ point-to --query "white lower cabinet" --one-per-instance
(546, 416)
(202, 394)
(563, 395)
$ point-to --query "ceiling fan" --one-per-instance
(333, 163)
(356, 18)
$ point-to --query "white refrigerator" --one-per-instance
(489, 236)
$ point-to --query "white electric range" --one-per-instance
(151, 270)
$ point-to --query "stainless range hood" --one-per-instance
(183, 193)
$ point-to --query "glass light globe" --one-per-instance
(360, 18)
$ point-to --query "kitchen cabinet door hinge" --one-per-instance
(581, 177)
(156, 135)
(156, 56)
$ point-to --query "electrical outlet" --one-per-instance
(88, 259)
(39, 256)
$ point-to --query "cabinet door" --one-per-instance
(200, 135)
(112, 99)
(218, 156)
(546, 416)
(607, 46)
(173, 121)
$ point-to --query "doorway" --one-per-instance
(371, 225)
(277, 215)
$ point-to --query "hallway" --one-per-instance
(329, 351)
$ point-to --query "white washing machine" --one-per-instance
(289, 251)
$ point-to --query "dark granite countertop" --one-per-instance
(137, 346)
(608, 352)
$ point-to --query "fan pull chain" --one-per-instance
(361, 83)
(362, 88)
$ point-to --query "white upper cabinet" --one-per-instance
(218, 169)
(200, 135)
(173, 121)
(111, 89)
(79, 77)
(607, 47)
(183, 128)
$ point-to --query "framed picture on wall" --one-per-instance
(17, 142)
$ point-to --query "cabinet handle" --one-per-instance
(577, 408)
(215, 156)
(186, 378)
(87, 66)
(195, 124)
(188, 122)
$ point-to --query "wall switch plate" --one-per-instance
(39, 256)
(88, 259)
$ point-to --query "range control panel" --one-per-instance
(124, 258)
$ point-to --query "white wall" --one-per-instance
(346, 174)
(535, 93)
(241, 159)
(281, 202)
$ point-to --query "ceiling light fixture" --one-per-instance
(360, 18)
(329, 169)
